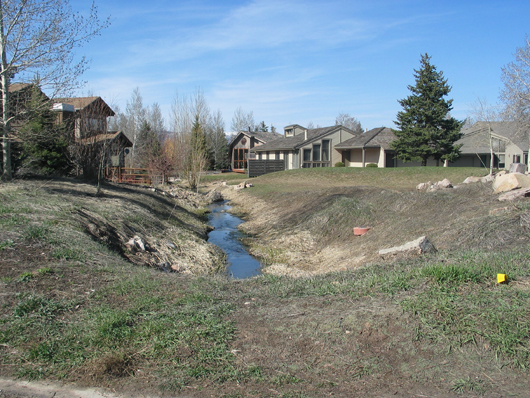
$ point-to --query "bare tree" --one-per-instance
(484, 112)
(156, 120)
(344, 119)
(516, 91)
(217, 142)
(136, 116)
(38, 39)
(242, 121)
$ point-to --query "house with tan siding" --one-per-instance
(305, 148)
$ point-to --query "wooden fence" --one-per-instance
(133, 176)
(259, 167)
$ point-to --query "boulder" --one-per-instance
(509, 182)
(488, 178)
(418, 246)
(214, 196)
(445, 183)
(517, 168)
(472, 180)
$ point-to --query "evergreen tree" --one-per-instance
(425, 127)
(44, 141)
(263, 127)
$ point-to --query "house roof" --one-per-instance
(110, 136)
(380, 137)
(18, 86)
(263, 136)
(476, 138)
(84, 102)
(297, 141)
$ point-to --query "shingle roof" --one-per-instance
(83, 102)
(476, 138)
(380, 137)
(263, 136)
(297, 141)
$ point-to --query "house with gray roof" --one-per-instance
(370, 147)
(240, 146)
(300, 147)
(508, 140)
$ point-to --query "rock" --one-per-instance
(509, 182)
(517, 168)
(214, 196)
(422, 186)
(488, 178)
(445, 183)
(171, 245)
(512, 195)
(472, 180)
(418, 246)
(248, 185)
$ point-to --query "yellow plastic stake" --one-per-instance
(501, 278)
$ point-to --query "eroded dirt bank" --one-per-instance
(311, 232)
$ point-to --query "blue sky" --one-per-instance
(292, 61)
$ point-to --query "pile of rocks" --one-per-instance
(434, 186)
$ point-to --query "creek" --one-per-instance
(241, 265)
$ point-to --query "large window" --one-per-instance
(325, 150)
(316, 153)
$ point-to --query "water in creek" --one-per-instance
(241, 265)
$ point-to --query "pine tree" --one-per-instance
(425, 127)
(44, 141)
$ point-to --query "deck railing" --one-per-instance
(133, 175)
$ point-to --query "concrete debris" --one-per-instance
(419, 246)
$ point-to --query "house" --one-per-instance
(370, 147)
(243, 142)
(508, 140)
(304, 148)
(87, 117)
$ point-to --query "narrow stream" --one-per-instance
(241, 265)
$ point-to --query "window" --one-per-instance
(516, 158)
(316, 153)
(307, 155)
(325, 150)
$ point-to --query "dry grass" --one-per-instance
(311, 222)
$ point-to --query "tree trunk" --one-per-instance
(4, 90)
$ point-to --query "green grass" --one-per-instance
(389, 178)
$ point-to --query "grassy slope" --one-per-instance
(433, 325)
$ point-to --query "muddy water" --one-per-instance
(241, 265)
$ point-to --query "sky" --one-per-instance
(296, 61)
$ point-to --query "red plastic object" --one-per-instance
(358, 231)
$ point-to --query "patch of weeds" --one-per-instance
(452, 274)
(284, 378)
(463, 386)
(39, 306)
(30, 373)
(6, 244)
(45, 271)
(25, 277)
(67, 253)
(36, 232)
(14, 219)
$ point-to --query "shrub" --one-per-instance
(371, 165)
(339, 164)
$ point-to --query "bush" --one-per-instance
(339, 164)
(371, 165)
